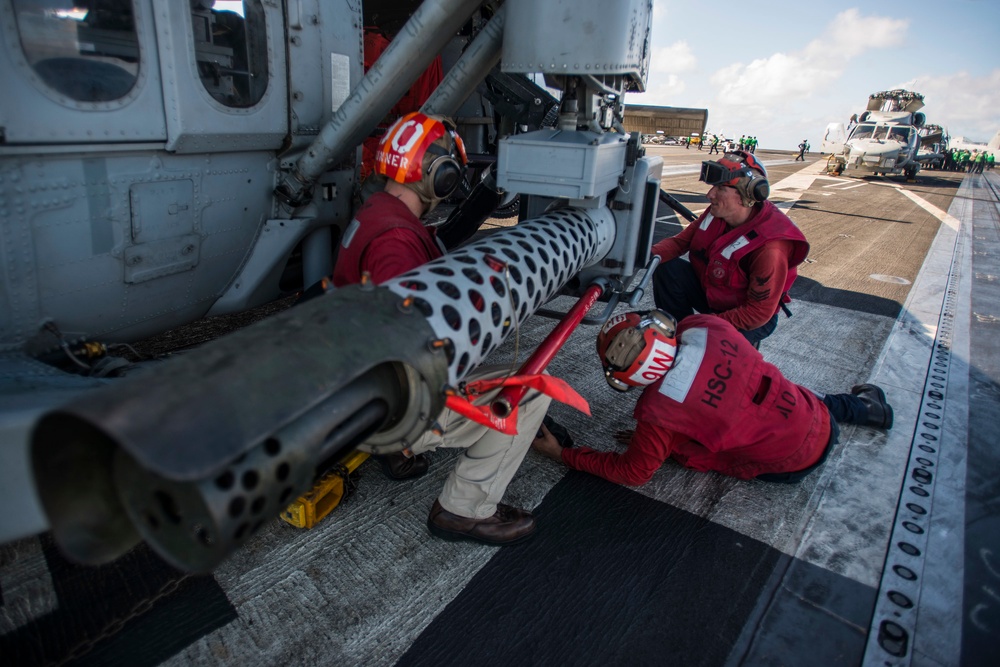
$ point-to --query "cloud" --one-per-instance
(797, 75)
(660, 12)
(673, 85)
(662, 89)
(771, 80)
(849, 35)
(666, 63)
(747, 94)
(967, 105)
(673, 59)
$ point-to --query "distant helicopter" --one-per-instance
(935, 139)
(886, 140)
(163, 161)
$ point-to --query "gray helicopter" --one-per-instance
(887, 138)
(165, 161)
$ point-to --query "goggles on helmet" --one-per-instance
(715, 173)
(728, 170)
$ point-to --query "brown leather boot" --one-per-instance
(508, 525)
(399, 466)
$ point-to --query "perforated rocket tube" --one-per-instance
(476, 295)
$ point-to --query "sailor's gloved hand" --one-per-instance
(546, 444)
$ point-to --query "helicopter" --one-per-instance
(161, 162)
(886, 139)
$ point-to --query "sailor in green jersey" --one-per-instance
(980, 163)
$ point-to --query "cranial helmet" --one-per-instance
(637, 349)
(740, 170)
(425, 154)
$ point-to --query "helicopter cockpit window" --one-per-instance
(86, 50)
(230, 45)
(863, 131)
(900, 134)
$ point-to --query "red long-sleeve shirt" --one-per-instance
(726, 410)
(395, 252)
(767, 268)
(649, 448)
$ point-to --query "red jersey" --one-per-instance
(722, 408)
(385, 239)
(747, 270)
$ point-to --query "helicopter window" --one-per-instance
(86, 50)
(901, 134)
(863, 131)
(230, 45)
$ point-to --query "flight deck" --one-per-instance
(888, 554)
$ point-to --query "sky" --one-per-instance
(782, 71)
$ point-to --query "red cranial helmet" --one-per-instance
(637, 349)
(740, 170)
(423, 153)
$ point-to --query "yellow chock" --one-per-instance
(309, 509)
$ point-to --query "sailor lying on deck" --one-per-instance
(712, 403)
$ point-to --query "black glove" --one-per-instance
(558, 431)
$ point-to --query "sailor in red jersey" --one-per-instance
(422, 160)
(743, 252)
(712, 403)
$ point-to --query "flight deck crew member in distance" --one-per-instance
(712, 403)
(743, 252)
(715, 145)
(423, 158)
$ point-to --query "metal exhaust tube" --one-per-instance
(196, 455)
(194, 525)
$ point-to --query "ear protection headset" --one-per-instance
(754, 188)
(443, 173)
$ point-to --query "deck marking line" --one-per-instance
(944, 217)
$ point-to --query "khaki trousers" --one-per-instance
(490, 459)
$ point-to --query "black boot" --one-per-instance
(879, 410)
(399, 466)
